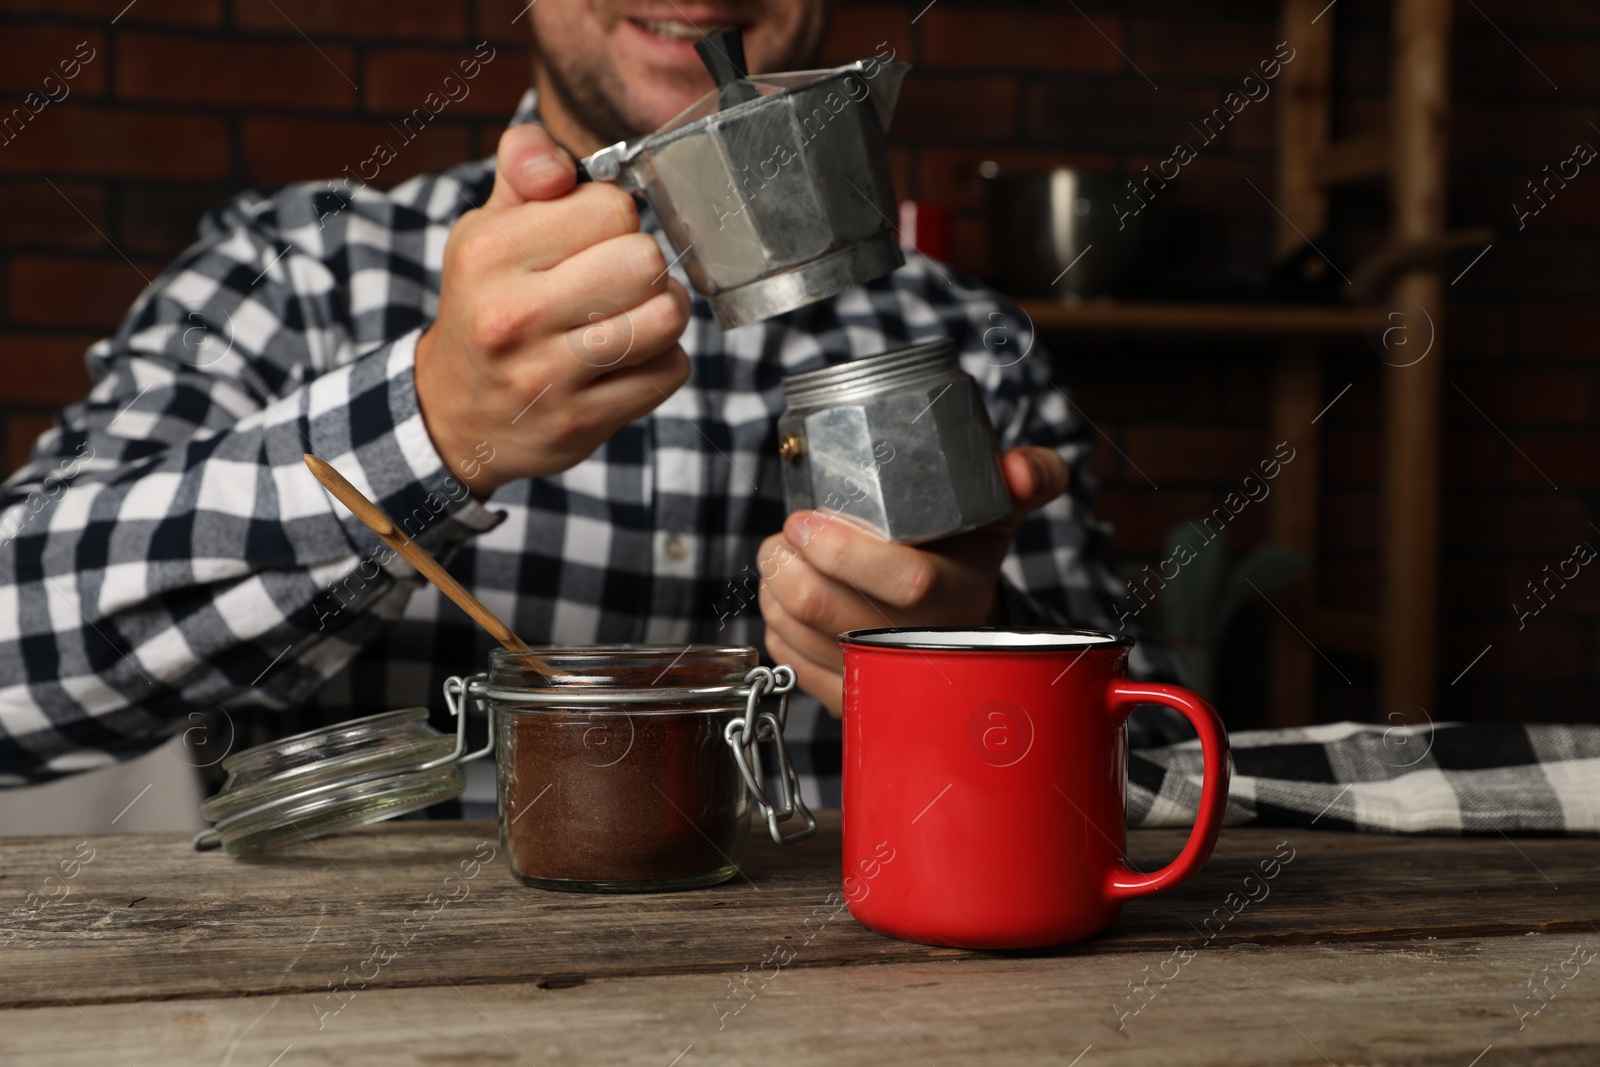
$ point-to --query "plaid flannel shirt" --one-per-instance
(165, 554)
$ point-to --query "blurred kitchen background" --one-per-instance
(1209, 358)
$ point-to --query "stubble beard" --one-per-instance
(591, 101)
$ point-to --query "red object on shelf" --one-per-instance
(925, 228)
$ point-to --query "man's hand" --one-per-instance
(557, 322)
(828, 575)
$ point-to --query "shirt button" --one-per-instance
(675, 549)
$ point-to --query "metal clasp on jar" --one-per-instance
(744, 735)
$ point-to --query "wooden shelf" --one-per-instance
(1207, 320)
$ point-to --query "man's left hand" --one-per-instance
(829, 575)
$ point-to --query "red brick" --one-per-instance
(902, 166)
(1533, 521)
(1507, 130)
(160, 220)
(1550, 264)
(22, 429)
(504, 22)
(1350, 584)
(1213, 183)
(1350, 362)
(1546, 331)
(969, 247)
(74, 293)
(29, 54)
(1524, 395)
(43, 371)
(949, 176)
(1470, 588)
(977, 107)
(1568, 459)
(1546, 648)
(1481, 63)
(1102, 386)
(37, 215)
(1361, 56)
(1476, 330)
(280, 150)
(1350, 520)
(1022, 40)
(1197, 453)
(1476, 459)
(399, 80)
(1095, 114)
(174, 12)
(1575, 207)
(1352, 457)
(185, 70)
(861, 31)
(1142, 518)
(486, 141)
(1540, 16)
(1212, 49)
(439, 20)
(1551, 595)
(1569, 63)
(1535, 699)
(1247, 384)
(1255, 129)
(111, 142)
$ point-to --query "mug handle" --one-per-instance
(1123, 884)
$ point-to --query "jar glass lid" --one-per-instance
(336, 778)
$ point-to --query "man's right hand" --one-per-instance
(557, 322)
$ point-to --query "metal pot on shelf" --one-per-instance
(1062, 232)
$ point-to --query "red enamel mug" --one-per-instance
(985, 780)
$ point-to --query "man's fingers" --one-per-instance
(544, 236)
(893, 573)
(604, 307)
(607, 344)
(622, 272)
(815, 600)
(530, 166)
(1035, 476)
(815, 645)
(826, 685)
(634, 392)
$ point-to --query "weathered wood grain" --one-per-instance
(1435, 1004)
(149, 919)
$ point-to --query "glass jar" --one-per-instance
(632, 768)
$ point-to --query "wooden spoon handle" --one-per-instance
(426, 565)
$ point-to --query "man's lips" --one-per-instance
(674, 29)
(669, 41)
(683, 26)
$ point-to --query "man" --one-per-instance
(167, 553)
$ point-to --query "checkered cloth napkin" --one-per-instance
(1446, 778)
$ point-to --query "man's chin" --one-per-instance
(646, 109)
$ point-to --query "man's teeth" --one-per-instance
(673, 30)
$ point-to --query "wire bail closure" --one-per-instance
(456, 691)
(744, 736)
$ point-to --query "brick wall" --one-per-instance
(186, 101)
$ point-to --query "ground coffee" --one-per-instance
(608, 800)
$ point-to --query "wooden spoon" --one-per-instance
(426, 565)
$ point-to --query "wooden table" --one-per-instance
(1361, 950)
